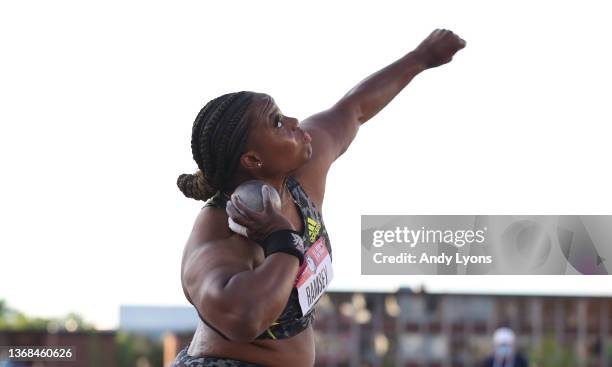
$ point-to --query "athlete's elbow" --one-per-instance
(238, 328)
(250, 321)
(233, 321)
(242, 333)
(264, 313)
(254, 323)
(244, 319)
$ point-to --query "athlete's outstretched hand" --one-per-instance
(438, 48)
(257, 225)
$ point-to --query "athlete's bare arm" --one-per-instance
(220, 279)
(334, 129)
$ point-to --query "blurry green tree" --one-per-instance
(138, 350)
(11, 319)
(552, 354)
(132, 349)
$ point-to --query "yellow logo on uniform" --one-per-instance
(313, 229)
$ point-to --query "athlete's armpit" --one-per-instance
(332, 132)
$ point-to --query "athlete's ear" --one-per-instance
(250, 161)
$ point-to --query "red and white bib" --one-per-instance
(314, 275)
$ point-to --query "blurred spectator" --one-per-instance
(504, 353)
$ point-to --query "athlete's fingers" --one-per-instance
(243, 209)
(231, 210)
(238, 217)
(265, 194)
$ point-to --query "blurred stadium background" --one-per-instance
(356, 329)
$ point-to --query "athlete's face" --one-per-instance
(275, 140)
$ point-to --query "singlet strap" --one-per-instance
(292, 183)
(218, 200)
(210, 326)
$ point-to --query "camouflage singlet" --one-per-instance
(291, 321)
(183, 359)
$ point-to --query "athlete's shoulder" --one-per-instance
(212, 241)
(210, 225)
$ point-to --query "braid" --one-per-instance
(218, 139)
(212, 146)
(196, 131)
(232, 137)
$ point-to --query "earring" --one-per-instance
(259, 164)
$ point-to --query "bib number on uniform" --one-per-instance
(314, 275)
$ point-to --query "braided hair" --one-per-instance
(218, 139)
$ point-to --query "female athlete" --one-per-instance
(256, 294)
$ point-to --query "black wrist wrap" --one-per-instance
(284, 240)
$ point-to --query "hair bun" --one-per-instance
(195, 186)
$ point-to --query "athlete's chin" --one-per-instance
(304, 155)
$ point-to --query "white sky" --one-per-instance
(98, 100)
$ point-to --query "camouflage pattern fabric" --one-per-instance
(185, 360)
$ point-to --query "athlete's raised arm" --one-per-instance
(334, 129)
